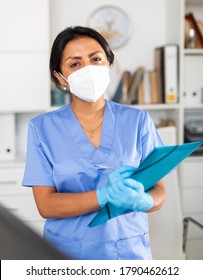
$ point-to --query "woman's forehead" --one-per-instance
(82, 46)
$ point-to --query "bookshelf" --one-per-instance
(191, 65)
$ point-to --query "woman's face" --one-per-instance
(79, 53)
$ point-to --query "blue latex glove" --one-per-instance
(117, 175)
(129, 194)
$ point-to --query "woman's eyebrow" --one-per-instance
(92, 54)
(79, 57)
(73, 57)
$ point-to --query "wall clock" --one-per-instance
(113, 23)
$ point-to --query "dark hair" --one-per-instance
(66, 36)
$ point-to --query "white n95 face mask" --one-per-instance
(90, 82)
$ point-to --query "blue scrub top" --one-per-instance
(59, 154)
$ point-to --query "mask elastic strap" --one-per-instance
(65, 87)
(62, 76)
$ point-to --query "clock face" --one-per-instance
(112, 23)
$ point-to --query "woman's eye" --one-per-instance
(75, 64)
(97, 59)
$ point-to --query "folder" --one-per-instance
(160, 162)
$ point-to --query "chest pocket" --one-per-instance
(80, 177)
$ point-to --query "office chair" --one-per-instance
(19, 242)
(186, 221)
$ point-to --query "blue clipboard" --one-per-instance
(158, 164)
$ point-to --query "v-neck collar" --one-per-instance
(101, 154)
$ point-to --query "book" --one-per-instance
(141, 87)
(125, 84)
(166, 63)
(135, 85)
(121, 93)
(154, 91)
(193, 24)
(140, 91)
(158, 164)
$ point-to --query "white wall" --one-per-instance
(148, 28)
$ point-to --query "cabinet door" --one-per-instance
(7, 137)
(192, 200)
(192, 204)
(192, 187)
(17, 199)
(24, 25)
(24, 82)
(191, 173)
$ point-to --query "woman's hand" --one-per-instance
(116, 176)
(123, 192)
(130, 195)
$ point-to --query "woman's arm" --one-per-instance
(52, 204)
(158, 193)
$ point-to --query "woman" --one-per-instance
(70, 148)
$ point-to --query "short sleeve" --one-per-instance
(150, 137)
(38, 169)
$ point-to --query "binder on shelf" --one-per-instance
(7, 137)
(158, 164)
(166, 63)
(159, 70)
